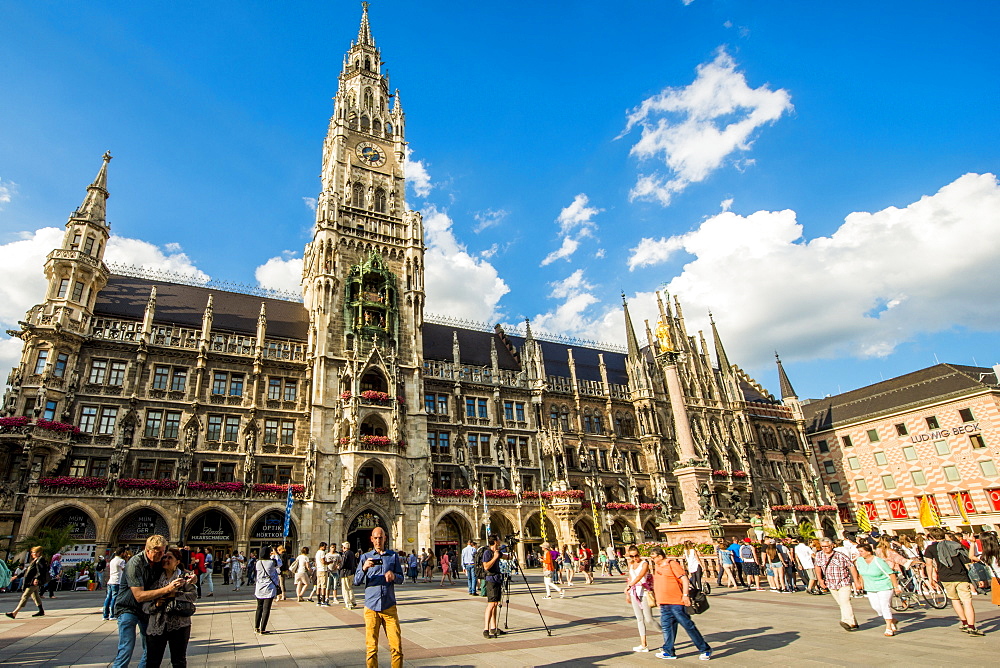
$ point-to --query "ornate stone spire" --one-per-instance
(787, 391)
(94, 205)
(365, 31)
(720, 352)
(633, 342)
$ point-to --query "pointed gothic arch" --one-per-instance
(379, 200)
(358, 196)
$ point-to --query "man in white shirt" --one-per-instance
(469, 563)
(849, 547)
(322, 579)
(804, 557)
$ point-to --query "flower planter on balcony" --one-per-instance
(71, 482)
(453, 493)
(615, 505)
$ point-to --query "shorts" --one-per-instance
(958, 591)
(493, 591)
(321, 578)
(750, 568)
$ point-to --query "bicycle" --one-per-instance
(916, 589)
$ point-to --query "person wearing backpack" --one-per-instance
(749, 565)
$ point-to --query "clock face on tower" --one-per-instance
(370, 154)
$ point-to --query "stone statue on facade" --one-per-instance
(705, 503)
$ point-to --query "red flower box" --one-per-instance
(529, 495)
(454, 493)
(563, 494)
(498, 494)
(616, 505)
(826, 509)
(215, 486)
(720, 474)
(649, 506)
(71, 482)
(739, 474)
(776, 508)
(270, 488)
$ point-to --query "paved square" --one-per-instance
(592, 626)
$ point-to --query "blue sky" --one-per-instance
(819, 176)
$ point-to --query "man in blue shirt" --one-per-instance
(737, 563)
(379, 570)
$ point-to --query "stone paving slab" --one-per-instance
(592, 626)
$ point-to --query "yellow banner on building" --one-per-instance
(861, 516)
(928, 514)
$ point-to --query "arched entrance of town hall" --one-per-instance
(133, 530)
(268, 531)
(451, 533)
(359, 532)
(213, 529)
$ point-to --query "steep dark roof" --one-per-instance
(126, 297)
(751, 393)
(938, 382)
(474, 346)
(588, 366)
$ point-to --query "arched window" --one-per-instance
(358, 196)
(380, 200)
(368, 63)
(564, 418)
(352, 121)
(365, 125)
(587, 427)
(357, 62)
(388, 129)
(376, 127)
(554, 417)
(598, 424)
(369, 99)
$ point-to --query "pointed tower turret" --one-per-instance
(720, 352)
(365, 31)
(633, 342)
(787, 391)
(75, 270)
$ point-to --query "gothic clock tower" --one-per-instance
(362, 282)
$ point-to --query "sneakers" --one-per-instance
(972, 631)
(487, 634)
(562, 594)
(661, 655)
(640, 648)
(546, 598)
(705, 656)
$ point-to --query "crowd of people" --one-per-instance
(152, 595)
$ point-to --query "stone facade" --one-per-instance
(149, 404)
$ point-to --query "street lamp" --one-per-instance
(329, 527)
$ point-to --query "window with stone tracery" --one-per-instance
(365, 125)
(380, 200)
(369, 99)
(358, 196)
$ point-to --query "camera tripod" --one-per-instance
(506, 581)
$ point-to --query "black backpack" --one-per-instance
(478, 568)
(101, 565)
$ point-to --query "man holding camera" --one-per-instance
(491, 564)
(379, 569)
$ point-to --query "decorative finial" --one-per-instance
(364, 6)
(107, 156)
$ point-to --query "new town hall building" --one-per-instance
(162, 406)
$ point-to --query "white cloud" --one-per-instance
(575, 221)
(569, 246)
(653, 251)
(310, 203)
(138, 253)
(457, 284)
(880, 279)
(489, 218)
(281, 273)
(417, 175)
(726, 204)
(7, 190)
(24, 281)
(693, 130)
